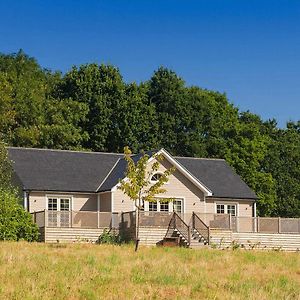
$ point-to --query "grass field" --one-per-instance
(84, 271)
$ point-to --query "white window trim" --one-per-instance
(146, 207)
(225, 206)
(154, 181)
(58, 197)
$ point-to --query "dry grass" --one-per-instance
(83, 271)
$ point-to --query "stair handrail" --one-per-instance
(173, 224)
(201, 228)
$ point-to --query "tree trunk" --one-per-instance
(137, 225)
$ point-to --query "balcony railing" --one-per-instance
(94, 219)
(82, 219)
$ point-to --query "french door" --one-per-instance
(59, 212)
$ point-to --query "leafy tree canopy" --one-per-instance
(91, 107)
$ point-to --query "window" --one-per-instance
(164, 207)
(231, 209)
(64, 204)
(155, 177)
(59, 212)
(152, 206)
(59, 204)
(220, 209)
(177, 206)
(52, 204)
(226, 209)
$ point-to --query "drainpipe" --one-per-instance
(25, 200)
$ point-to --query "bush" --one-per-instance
(109, 237)
(15, 223)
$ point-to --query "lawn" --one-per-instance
(85, 271)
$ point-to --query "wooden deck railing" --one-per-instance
(178, 224)
(199, 221)
(82, 219)
(265, 225)
(200, 227)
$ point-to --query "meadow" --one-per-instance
(86, 271)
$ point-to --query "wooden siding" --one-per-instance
(150, 236)
(220, 238)
(82, 202)
(70, 235)
(268, 241)
(178, 186)
(245, 207)
(105, 202)
(262, 241)
(121, 202)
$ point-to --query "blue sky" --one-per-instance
(248, 49)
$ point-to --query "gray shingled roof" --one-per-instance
(57, 170)
(218, 176)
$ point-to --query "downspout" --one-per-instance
(25, 200)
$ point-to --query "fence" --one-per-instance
(94, 219)
(81, 219)
(155, 219)
(265, 225)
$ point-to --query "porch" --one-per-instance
(192, 230)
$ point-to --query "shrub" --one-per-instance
(109, 237)
(15, 223)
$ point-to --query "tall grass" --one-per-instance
(84, 271)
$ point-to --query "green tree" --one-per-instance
(137, 186)
(283, 162)
(15, 223)
(245, 151)
(138, 123)
(5, 168)
(101, 88)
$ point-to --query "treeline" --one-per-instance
(91, 107)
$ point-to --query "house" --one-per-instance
(60, 180)
(74, 196)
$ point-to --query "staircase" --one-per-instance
(195, 236)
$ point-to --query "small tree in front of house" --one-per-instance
(137, 185)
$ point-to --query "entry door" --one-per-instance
(59, 212)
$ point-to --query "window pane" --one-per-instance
(64, 204)
(220, 209)
(152, 206)
(177, 206)
(156, 177)
(52, 204)
(231, 209)
(164, 206)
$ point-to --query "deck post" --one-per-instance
(189, 235)
(98, 216)
(257, 220)
(71, 223)
(279, 225)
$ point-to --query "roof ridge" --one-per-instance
(64, 150)
(199, 158)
